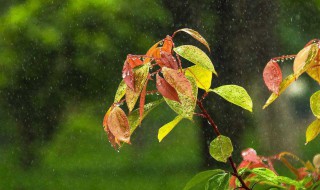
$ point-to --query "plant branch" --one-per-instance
(216, 130)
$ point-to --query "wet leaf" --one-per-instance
(304, 59)
(283, 86)
(221, 148)
(111, 137)
(134, 116)
(313, 130)
(167, 60)
(106, 116)
(127, 75)
(314, 69)
(264, 174)
(165, 130)
(234, 94)
(315, 104)
(195, 35)
(140, 78)
(272, 76)
(188, 104)
(113, 141)
(118, 125)
(121, 91)
(316, 161)
(202, 76)
(167, 44)
(142, 101)
(178, 81)
(154, 51)
(250, 155)
(201, 178)
(219, 181)
(196, 56)
(166, 90)
(134, 61)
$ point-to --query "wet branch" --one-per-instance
(216, 130)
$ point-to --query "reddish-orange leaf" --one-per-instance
(166, 90)
(178, 81)
(127, 75)
(106, 116)
(272, 76)
(112, 139)
(167, 60)
(143, 100)
(150, 53)
(167, 44)
(134, 61)
(250, 155)
(118, 125)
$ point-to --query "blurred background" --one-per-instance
(61, 62)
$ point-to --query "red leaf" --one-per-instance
(134, 61)
(118, 125)
(167, 60)
(127, 75)
(272, 76)
(250, 155)
(142, 100)
(167, 45)
(166, 90)
(178, 81)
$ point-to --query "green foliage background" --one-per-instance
(60, 65)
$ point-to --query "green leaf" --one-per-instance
(286, 180)
(202, 76)
(218, 182)
(283, 86)
(195, 35)
(202, 177)
(235, 94)
(121, 91)
(188, 104)
(315, 104)
(135, 115)
(313, 130)
(140, 78)
(221, 148)
(165, 130)
(196, 56)
(265, 174)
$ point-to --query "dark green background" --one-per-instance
(61, 61)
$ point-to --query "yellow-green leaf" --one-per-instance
(234, 94)
(195, 35)
(134, 117)
(221, 148)
(121, 91)
(315, 104)
(188, 104)
(196, 56)
(140, 78)
(313, 130)
(304, 59)
(165, 130)
(283, 86)
(314, 69)
(202, 76)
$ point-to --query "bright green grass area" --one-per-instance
(80, 157)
